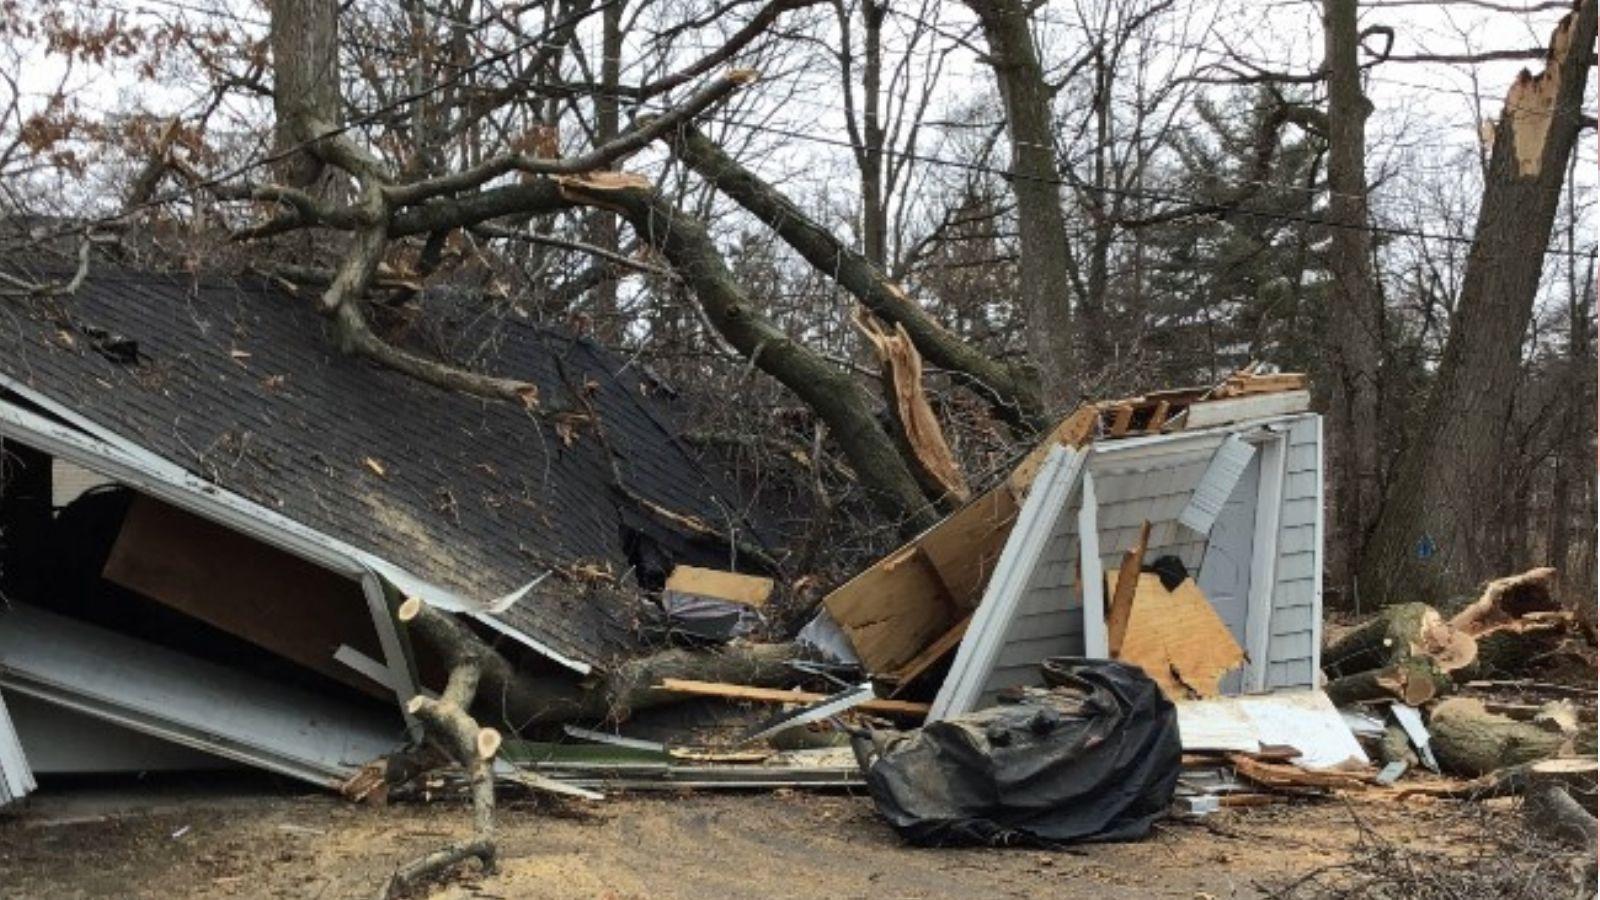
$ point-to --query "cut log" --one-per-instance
(1400, 632)
(1412, 681)
(1469, 740)
(1510, 651)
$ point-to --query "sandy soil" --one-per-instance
(230, 840)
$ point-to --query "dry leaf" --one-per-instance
(376, 467)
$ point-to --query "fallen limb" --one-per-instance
(1570, 772)
(1551, 811)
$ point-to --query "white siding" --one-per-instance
(1296, 594)
(16, 778)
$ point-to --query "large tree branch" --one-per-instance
(598, 158)
(1007, 389)
(835, 396)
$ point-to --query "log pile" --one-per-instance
(1412, 654)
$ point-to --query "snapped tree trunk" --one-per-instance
(1041, 225)
(1353, 336)
(1445, 488)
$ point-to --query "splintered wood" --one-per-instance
(918, 426)
(1177, 638)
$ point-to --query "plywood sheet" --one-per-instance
(1178, 639)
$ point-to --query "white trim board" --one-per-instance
(1264, 559)
(1046, 502)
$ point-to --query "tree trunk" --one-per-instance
(602, 225)
(1471, 741)
(1398, 634)
(305, 82)
(1042, 228)
(1009, 391)
(1444, 491)
(1353, 345)
(874, 204)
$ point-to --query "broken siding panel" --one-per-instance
(1295, 601)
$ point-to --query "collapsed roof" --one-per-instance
(236, 383)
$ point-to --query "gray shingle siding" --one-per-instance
(1297, 581)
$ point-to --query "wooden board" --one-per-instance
(1178, 638)
(930, 656)
(1250, 406)
(749, 590)
(1127, 578)
(966, 546)
(270, 598)
(904, 708)
(893, 609)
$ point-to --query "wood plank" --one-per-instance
(905, 708)
(931, 655)
(893, 609)
(1121, 606)
(1238, 409)
(1158, 418)
(966, 546)
(733, 587)
(1121, 421)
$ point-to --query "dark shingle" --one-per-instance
(238, 382)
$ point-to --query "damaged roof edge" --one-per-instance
(82, 442)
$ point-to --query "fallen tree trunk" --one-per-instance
(1398, 634)
(1550, 810)
(1469, 740)
(518, 699)
(1412, 681)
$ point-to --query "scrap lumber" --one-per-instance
(746, 590)
(1280, 775)
(1177, 638)
(898, 708)
(895, 608)
(916, 426)
(1121, 605)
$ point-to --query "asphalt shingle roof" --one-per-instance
(239, 382)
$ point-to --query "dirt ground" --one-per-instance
(227, 839)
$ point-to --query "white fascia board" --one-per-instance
(1247, 430)
(126, 462)
(1092, 579)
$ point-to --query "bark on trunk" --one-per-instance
(1353, 345)
(1041, 226)
(305, 82)
(1445, 486)
(1009, 391)
(1400, 633)
(1469, 740)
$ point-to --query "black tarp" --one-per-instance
(1093, 758)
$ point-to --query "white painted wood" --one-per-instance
(1305, 720)
(16, 775)
(61, 741)
(189, 701)
(1036, 523)
(1263, 562)
(1239, 409)
(1095, 642)
(1316, 579)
